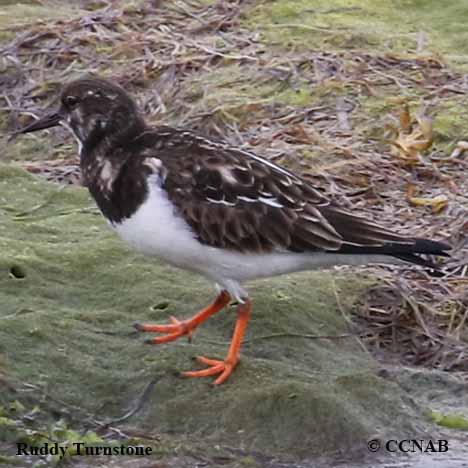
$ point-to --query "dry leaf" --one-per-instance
(410, 137)
(436, 203)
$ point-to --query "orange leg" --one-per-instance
(226, 367)
(180, 328)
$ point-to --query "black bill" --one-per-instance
(48, 121)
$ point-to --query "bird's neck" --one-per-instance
(108, 171)
(106, 149)
(117, 132)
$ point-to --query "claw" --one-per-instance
(177, 328)
(171, 331)
(216, 366)
(138, 326)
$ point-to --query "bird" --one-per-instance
(212, 208)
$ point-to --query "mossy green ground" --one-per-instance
(403, 28)
(13, 13)
(66, 329)
(377, 24)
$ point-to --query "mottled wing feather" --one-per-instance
(358, 230)
(233, 199)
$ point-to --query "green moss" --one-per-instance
(237, 89)
(15, 13)
(295, 97)
(35, 434)
(452, 421)
(10, 461)
(450, 121)
(66, 329)
(352, 24)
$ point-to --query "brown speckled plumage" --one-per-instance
(231, 198)
(211, 208)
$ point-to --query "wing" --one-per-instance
(236, 200)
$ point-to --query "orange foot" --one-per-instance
(216, 366)
(172, 331)
(178, 328)
(226, 367)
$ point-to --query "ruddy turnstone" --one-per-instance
(211, 208)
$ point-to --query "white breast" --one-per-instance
(156, 229)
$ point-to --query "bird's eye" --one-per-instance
(71, 101)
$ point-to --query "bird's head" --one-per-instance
(92, 109)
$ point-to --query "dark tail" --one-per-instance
(428, 247)
(364, 237)
(409, 252)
